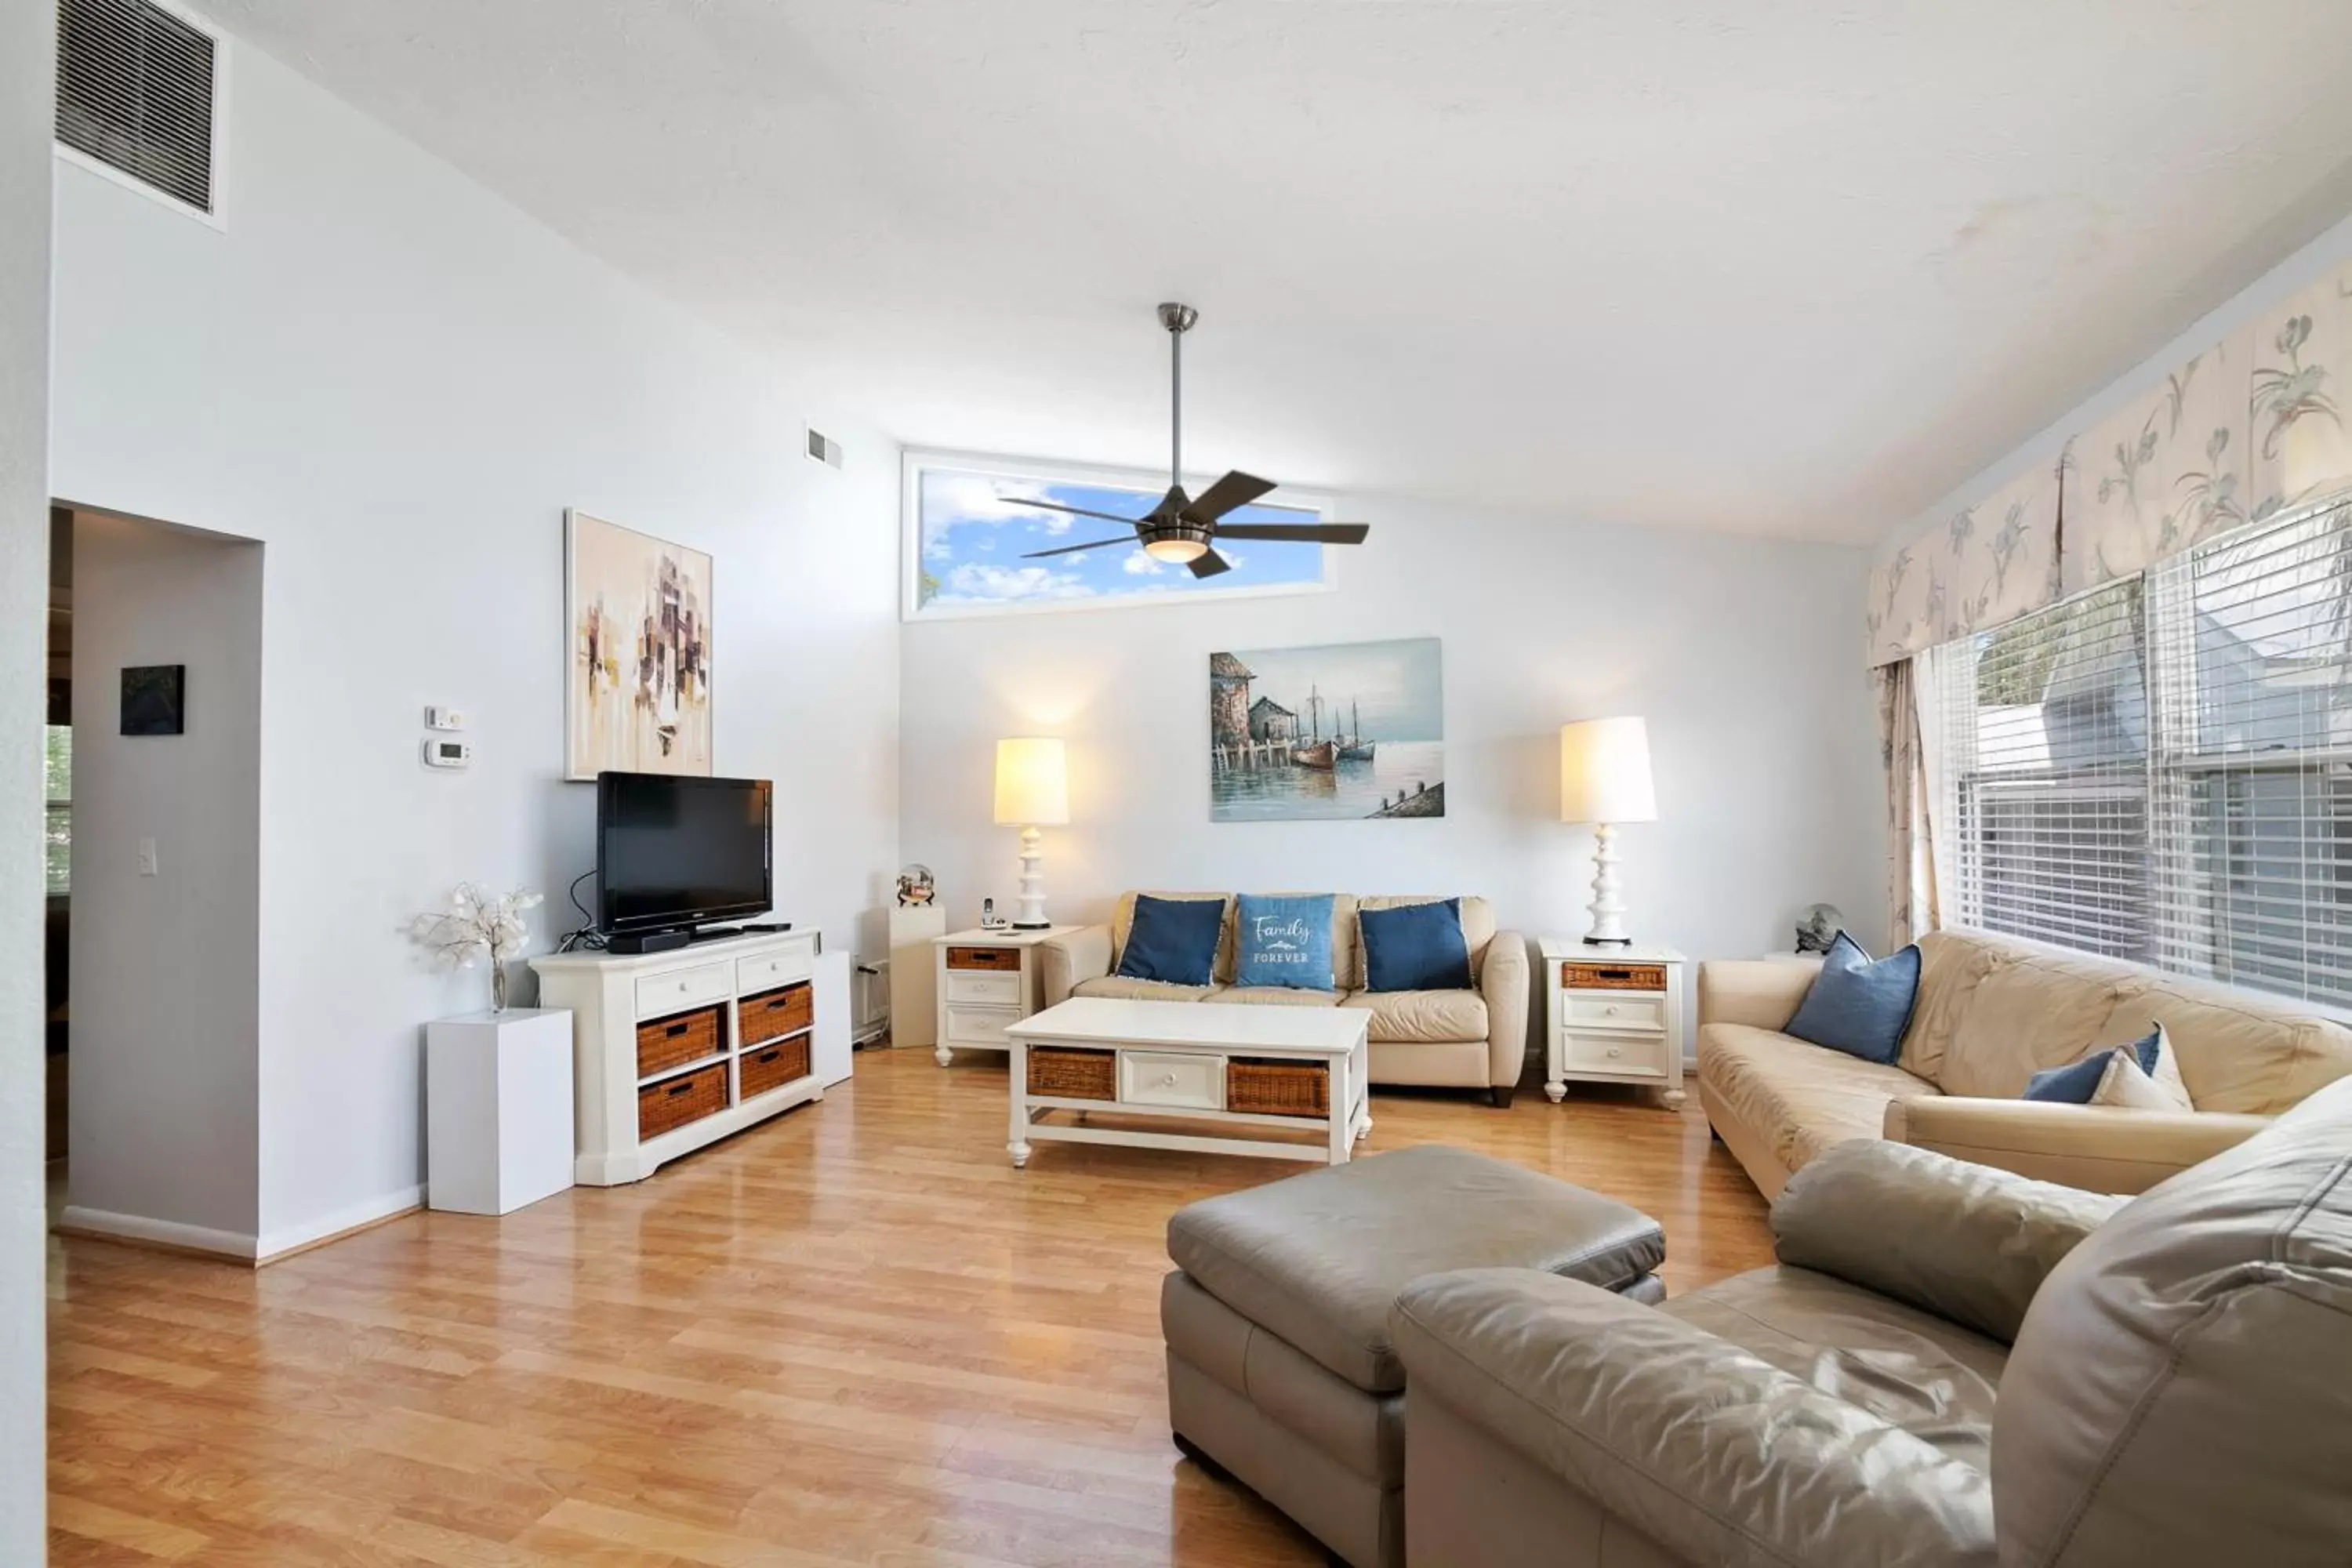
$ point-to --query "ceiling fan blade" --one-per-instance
(1308, 532)
(1209, 565)
(1236, 489)
(1073, 510)
(1073, 549)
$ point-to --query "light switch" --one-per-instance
(146, 857)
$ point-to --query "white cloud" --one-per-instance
(995, 584)
(1139, 565)
(952, 497)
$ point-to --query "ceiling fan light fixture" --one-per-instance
(1176, 552)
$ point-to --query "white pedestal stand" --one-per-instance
(498, 1117)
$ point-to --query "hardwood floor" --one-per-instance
(853, 1335)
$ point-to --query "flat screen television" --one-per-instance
(674, 853)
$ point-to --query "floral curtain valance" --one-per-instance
(1984, 565)
(2255, 423)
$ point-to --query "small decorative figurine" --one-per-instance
(1818, 927)
(915, 889)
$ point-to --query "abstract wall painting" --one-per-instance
(1339, 732)
(638, 678)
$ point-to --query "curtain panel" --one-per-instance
(1911, 894)
(2260, 421)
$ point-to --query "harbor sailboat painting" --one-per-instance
(1339, 732)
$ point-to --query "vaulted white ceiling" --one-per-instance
(1792, 267)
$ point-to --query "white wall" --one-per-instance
(2298, 271)
(164, 1091)
(24, 108)
(397, 383)
(1741, 653)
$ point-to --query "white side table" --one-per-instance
(987, 980)
(1612, 1015)
(498, 1109)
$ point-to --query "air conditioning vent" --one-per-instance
(135, 92)
(825, 449)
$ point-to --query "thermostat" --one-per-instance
(439, 754)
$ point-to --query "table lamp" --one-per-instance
(1033, 790)
(1604, 779)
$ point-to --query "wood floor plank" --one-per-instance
(852, 1336)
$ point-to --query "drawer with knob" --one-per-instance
(1613, 1010)
(1195, 1080)
(680, 989)
(1615, 1055)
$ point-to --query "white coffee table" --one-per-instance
(1150, 1060)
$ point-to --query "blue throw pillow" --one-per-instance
(1285, 940)
(1416, 947)
(2076, 1082)
(1858, 1005)
(1173, 940)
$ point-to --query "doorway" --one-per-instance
(154, 869)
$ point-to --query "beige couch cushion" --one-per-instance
(1122, 920)
(1279, 997)
(2236, 1052)
(1432, 1016)
(1119, 988)
(1949, 968)
(2033, 1010)
(1798, 1098)
(1477, 930)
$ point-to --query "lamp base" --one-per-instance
(1030, 911)
(1608, 905)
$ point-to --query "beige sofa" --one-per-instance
(1460, 1039)
(1991, 1012)
(1951, 1367)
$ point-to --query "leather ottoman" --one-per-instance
(1280, 1370)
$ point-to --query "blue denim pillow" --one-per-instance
(1416, 947)
(1285, 940)
(1859, 1005)
(1173, 940)
(2075, 1083)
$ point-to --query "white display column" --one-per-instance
(497, 1119)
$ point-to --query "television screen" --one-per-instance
(673, 851)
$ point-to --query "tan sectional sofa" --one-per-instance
(1463, 1039)
(1991, 1012)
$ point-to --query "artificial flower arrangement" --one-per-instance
(477, 923)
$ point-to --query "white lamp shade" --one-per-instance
(1604, 772)
(1033, 788)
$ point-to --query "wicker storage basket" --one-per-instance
(1073, 1075)
(773, 1013)
(1613, 976)
(1271, 1086)
(666, 1043)
(765, 1066)
(675, 1101)
(999, 960)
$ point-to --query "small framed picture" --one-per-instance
(155, 700)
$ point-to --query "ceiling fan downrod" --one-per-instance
(1178, 320)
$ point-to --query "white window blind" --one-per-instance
(2161, 769)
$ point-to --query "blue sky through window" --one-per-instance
(974, 531)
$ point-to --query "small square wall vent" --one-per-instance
(137, 94)
(825, 449)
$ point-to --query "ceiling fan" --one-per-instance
(1183, 530)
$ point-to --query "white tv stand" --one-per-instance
(675, 1050)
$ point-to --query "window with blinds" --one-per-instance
(2161, 769)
